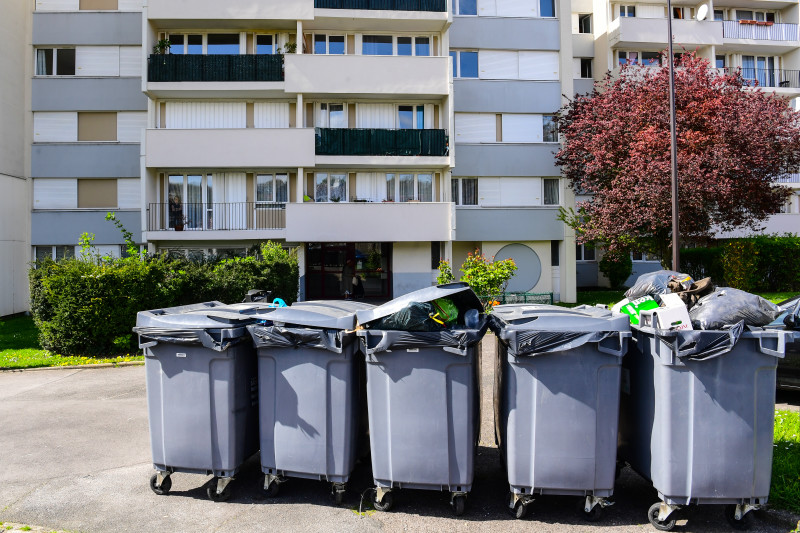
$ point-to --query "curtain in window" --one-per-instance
(469, 191)
(425, 187)
(551, 192)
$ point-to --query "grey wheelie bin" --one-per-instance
(201, 391)
(697, 416)
(556, 401)
(423, 396)
(308, 361)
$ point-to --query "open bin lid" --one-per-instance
(321, 314)
(461, 294)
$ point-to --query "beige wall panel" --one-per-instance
(97, 193)
(97, 126)
(99, 5)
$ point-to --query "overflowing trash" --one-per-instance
(727, 306)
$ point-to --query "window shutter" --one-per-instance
(129, 193)
(130, 61)
(55, 127)
(498, 65)
(475, 127)
(55, 193)
(538, 66)
(130, 126)
(97, 61)
(271, 114)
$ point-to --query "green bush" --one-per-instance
(617, 267)
(89, 306)
(703, 263)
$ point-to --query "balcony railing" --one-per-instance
(384, 5)
(215, 216)
(360, 141)
(761, 31)
(789, 178)
(169, 67)
(768, 77)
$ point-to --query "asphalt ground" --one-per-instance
(75, 456)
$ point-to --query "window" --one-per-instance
(547, 8)
(186, 44)
(627, 11)
(549, 129)
(223, 44)
(376, 45)
(391, 184)
(554, 255)
(586, 67)
(436, 254)
(550, 191)
(642, 256)
(97, 193)
(332, 116)
(719, 14)
(417, 46)
(626, 58)
(407, 187)
(97, 126)
(265, 44)
(464, 191)
(55, 62)
(409, 118)
(330, 187)
(465, 7)
(584, 252)
(651, 59)
(465, 64)
(53, 252)
(329, 44)
(719, 61)
(272, 188)
(585, 23)
(678, 12)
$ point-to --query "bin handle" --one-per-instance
(781, 348)
(617, 352)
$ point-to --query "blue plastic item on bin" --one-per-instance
(556, 401)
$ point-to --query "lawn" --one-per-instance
(19, 348)
(785, 490)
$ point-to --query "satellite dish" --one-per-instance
(702, 12)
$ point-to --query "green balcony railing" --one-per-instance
(169, 67)
(360, 141)
(384, 5)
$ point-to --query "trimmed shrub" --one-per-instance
(617, 267)
(703, 263)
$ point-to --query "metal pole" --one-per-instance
(673, 143)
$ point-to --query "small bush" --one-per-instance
(704, 263)
(617, 267)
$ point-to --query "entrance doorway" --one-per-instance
(332, 266)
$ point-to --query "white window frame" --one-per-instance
(457, 64)
(54, 251)
(323, 110)
(582, 254)
(204, 35)
(55, 50)
(273, 176)
(416, 174)
(275, 46)
(414, 115)
(457, 5)
(626, 10)
(328, 175)
(327, 42)
(459, 192)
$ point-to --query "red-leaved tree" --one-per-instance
(733, 142)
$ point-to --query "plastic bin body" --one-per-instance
(701, 430)
(556, 412)
(309, 396)
(202, 391)
(423, 416)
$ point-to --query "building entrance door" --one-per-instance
(331, 269)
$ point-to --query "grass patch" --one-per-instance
(777, 297)
(605, 297)
(785, 490)
(19, 348)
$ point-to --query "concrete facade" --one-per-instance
(15, 186)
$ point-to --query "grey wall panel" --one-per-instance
(405, 282)
(65, 227)
(88, 94)
(87, 28)
(582, 86)
(506, 160)
(508, 224)
(586, 274)
(502, 33)
(85, 161)
(498, 96)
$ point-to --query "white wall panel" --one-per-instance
(130, 126)
(55, 126)
(538, 66)
(58, 193)
(517, 8)
(97, 60)
(376, 115)
(650, 11)
(57, 5)
(130, 61)
(107, 250)
(498, 65)
(129, 193)
(489, 192)
(129, 5)
(476, 127)
(271, 114)
(206, 115)
(522, 128)
(487, 8)
(509, 192)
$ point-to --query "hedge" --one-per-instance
(89, 306)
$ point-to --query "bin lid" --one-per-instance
(206, 315)
(461, 294)
(555, 318)
(323, 314)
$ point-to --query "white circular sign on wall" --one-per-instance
(529, 266)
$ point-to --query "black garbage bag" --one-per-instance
(656, 283)
(726, 306)
(416, 316)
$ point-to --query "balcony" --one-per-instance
(179, 68)
(758, 31)
(763, 77)
(384, 5)
(354, 75)
(243, 14)
(386, 142)
(229, 148)
(650, 33)
(193, 217)
(789, 178)
(370, 222)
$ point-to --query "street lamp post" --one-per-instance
(673, 143)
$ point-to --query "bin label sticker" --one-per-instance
(412, 350)
(180, 354)
(626, 381)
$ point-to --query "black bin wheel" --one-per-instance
(338, 496)
(520, 510)
(385, 504)
(595, 514)
(652, 516)
(165, 485)
(273, 490)
(221, 497)
(459, 504)
(730, 516)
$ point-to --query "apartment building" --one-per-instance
(330, 125)
(759, 37)
(14, 169)
(88, 113)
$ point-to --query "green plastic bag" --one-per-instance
(446, 311)
(635, 307)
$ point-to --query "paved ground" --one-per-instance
(75, 455)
